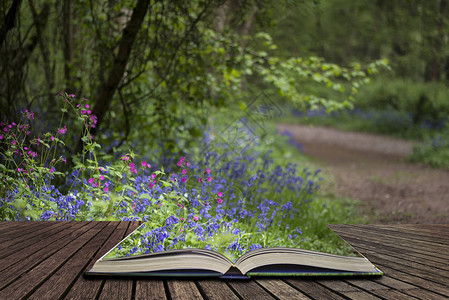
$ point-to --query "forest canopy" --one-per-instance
(154, 71)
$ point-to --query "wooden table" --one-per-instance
(46, 260)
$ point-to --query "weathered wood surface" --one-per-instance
(46, 260)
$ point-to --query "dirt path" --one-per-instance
(372, 169)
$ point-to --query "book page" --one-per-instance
(147, 239)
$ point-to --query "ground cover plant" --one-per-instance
(232, 201)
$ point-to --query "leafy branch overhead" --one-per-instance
(157, 69)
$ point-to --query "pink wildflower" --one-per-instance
(200, 180)
(62, 130)
(91, 180)
(208, 171)
(132, 168)
(125, 158)
(101, 177)
(209, 179)
(220, 194)
(184, 179)
(219, 200)
(195, 218)
(184, 171)
(106, 189)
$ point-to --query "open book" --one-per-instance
(275, 261)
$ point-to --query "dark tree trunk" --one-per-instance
(68, 43)
(434, 64)
(9, 21)
(107, 89)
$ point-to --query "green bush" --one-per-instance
(423, 100)
(435, 152)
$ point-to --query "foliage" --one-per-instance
(28, 164)
(181, 67)
(424, 101)
(231, 200)
(381, 121)
(435, 151)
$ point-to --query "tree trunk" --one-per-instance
(433, 65)
(68, 43)
(107, 89)
(9, 21)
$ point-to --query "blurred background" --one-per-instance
(165, 78)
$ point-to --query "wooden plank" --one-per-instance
(34, 237)
(116, 289)
(183, 289)
(402, 254)
(378, 289)
(360, 296)
(37, 252)
(393, 294)
(425, 284)
(280, 289)
(249, 290)
(431, 230)
(85, 288)
(215, 289)
(110, 288)
(438, 251)
(14, 227)
(339, 285)
(312, 288)
(58, 284)
(381, 235)
(7, 226)
(410, 233)
(20, 267)
(383, 282)
(16, 237)
(404, 263)
(29, 281)
(406, 239)
(424, 295)
(151, 290)
(394, 284)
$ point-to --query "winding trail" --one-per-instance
(373, 169)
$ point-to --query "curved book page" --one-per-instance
(128, 258)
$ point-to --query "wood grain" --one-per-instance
(47, 260)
